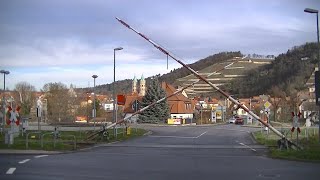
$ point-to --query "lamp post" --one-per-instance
(201, 109)
(87, 111)
(314, 11)
(114, 115)
(94, 101)
(4, 72)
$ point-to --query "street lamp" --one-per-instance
(4, 72)
(114, 113)
(94, 101)
(114, 119)
(314, 11)
(87, 110)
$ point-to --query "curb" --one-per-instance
(252, 126)
(29, 152)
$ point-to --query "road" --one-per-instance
(208, 152)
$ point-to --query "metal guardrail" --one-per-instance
(27, 139)
(74, 140)
(50, 133)
(55, 136)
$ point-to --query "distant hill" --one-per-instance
(199, 65)
(289, 71)
(124, 86)
(221, 74)
(253, 75)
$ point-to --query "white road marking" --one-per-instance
(40, 156)
(11, 170)
(172, 136)
(201, 134)
(182, 137)
(248, 147)
(24, 161)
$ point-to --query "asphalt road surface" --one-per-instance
(208, 152)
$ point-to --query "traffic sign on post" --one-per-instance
(267, 104)
(121, 99)
(295, 122)
(267, 111)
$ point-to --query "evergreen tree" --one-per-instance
(158, 112)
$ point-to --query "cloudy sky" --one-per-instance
(68, 41)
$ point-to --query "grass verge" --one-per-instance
(67, 140)
(310, 151)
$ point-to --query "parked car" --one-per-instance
(239, 120)
(232, 120)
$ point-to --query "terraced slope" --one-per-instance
(220, 77)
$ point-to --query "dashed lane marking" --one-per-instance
(201, 134)
(40, 156)
(11, 170)
(24, 161)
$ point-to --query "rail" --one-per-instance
(27, 139)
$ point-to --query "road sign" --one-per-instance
(121, 99)
(13, 116)
(295, 122)
(267, 111)
(267, 104)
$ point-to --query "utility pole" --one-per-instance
(4, 72)
(94, 102)
(114, 115)
(314, 11)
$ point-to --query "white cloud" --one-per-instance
(65, 52)
(56, 41)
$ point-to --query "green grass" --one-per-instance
(310, 151)
(65, 142)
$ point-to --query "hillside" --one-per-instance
(124, 86)
(288, 72)
(244, 78)
(220, 74)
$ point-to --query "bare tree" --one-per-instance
(25, 94)
(58, 101)
(278, 97)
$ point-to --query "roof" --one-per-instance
(129, 101)
(178, 104)
(169, 89)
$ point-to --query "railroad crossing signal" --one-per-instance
(13, 116)
(295, 122)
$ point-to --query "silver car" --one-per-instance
(232, 120)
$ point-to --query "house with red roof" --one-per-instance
(180, 106)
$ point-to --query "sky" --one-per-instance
(68, 41)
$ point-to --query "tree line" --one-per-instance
(288, 72)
